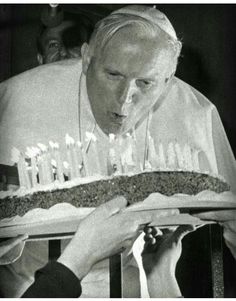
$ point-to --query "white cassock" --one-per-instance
(49, 101)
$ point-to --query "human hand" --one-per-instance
(227, 219)
(161, 253)
(106, 231)
(11, 249)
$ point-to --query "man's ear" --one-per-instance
(86, 58)
(40, 59)
(167, 79)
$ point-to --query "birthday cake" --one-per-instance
(45, 180)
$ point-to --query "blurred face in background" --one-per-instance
(59, 43)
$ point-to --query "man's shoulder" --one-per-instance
(190, 95)
(58, 71)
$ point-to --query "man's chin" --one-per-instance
(121, 130)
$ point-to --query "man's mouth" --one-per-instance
(117, 117)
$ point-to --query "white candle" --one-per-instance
(188, 158)
(127, 159)
(18, 158)
(179, 155)
(136, 160)
(46, 164)
(152, 154)
(57, 157)
(71, 169)
(92, 140)
(171, 156)
(41, 169)
(114, 162)
(66, 168)
(161, 156)
(84, 161)
(195, 158)
(75, 159)
(111, 159)
(34, 170)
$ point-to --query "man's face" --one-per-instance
(53, 44)
(125, 80)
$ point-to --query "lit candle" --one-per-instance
(136, 160)
(72, 157)
(188, 157)
(18, 158)
(34, 170)
(69, 141)
(179, 155)
(46, 164)
(171, 156)
(195, 158)
(57, 157)
(92, 140)
(127, 160)
(41, 169)
(113, 162)
(84, 161)
(161, 155)
(152, 154)
(66, 168)
(54, 168)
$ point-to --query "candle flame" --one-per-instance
(79, 144)
(66, 164)
(112, 137)
(42, 147)
(90, 137)
(69, 140)
(54, 145)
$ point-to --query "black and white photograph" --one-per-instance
(117, 150)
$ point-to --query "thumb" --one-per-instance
(182, 231)
(9, 244)
(112, 207)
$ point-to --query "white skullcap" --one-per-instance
(150, 14)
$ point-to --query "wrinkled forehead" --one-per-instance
(136, 38)
(137, 34)
(135, 55)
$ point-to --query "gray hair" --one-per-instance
(109, 26)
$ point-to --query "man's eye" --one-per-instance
(53, 45)
(144, 84)
(113, 75)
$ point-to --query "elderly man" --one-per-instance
(124, 84)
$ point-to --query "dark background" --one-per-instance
(208, 33)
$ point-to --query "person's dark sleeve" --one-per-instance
(54, 281)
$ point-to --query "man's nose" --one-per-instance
(128, 93)
(63, 52)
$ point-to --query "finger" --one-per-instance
(9, 244)
(146, 217)
(220, 215)
(230, 225)
(128, 243)
(182, 231)
(230, 237)
(147, 237)
(111, 207)
(147, 229)
(155, 231)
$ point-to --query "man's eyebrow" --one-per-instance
(107, 69)
(148, 79)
